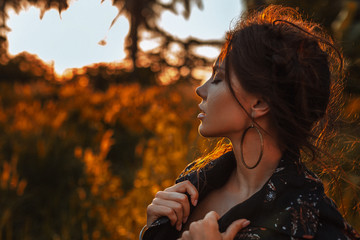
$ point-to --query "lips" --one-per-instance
(202, 114)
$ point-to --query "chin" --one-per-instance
(201, 131)
(205, 132)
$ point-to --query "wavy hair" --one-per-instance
(295, 66)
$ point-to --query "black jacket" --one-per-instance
(291, 205)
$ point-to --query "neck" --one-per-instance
(249, 181)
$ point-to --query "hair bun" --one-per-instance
(290, 62)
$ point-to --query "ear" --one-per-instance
(259, 108)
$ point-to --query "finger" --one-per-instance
(234, 228)
(211, 220)
(157, 211)
(212, 215)
(177, 207)
(186, 236)
(177, 197)
(186, 186)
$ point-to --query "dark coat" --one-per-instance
(291, 205)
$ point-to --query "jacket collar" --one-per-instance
(281, 204)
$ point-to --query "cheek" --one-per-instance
(224, 117)
(222, 125)
(224, 107)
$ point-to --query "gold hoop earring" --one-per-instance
(261, 150)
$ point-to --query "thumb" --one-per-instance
(234, 228)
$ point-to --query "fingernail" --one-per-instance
(185, 219)
(179, 227)
(246, 223)
(195, 202)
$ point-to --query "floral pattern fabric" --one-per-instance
(291, 205)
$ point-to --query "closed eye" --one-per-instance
(216, 81)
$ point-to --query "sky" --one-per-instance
(72, 39)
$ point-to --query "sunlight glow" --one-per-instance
(72, 39)
(81, 35)
(210, 23)
(207, 51)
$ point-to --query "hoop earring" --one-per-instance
(261, 150)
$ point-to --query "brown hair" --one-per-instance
(294, 65)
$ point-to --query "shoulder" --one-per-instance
(297, 207)
(332, 225)
(291, 202)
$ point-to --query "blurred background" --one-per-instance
(98, 110)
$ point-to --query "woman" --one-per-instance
(271, 91)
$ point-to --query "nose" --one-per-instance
(201, 91)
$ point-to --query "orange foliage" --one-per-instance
(104, 154)
(42, 118)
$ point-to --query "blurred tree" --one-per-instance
(142, 16)
(17, 5)
(24, 68)
(346, 28)
(79, 163)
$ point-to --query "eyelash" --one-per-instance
(216, 81)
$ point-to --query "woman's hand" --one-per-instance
(173, 203)
(208, 229)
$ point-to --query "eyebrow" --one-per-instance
(218, 69)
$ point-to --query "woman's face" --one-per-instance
(221, 115)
